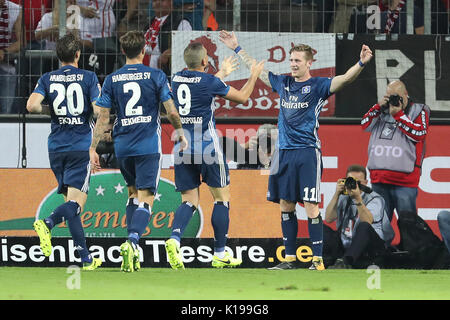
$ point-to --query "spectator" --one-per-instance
(29, 69)
(344, 12)
(157, 37)
(325, 12)
(363, 228)
(100, 20)
(10, 39)
(33, 11)
(47, 32)
(394, 17)
(398, 128)
(193, 10)
(135, 18)
(209, 19)
(444, 227)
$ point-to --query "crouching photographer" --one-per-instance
(363, 230)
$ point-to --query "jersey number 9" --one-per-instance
(184, 99)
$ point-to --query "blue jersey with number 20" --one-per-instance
(69, 91)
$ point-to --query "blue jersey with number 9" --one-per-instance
(69, 92)
(134, 93)
(194, 94)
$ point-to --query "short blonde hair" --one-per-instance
(309, 52)
(193, 55)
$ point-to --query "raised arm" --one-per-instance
(229, 64)
(242, 95)
(339, 82)
(230, 40)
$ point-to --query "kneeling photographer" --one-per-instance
(363, 227)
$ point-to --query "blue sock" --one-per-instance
(315, 229)
(131, 207)
(65, 211)
(141, 218)
(289, 226)
(183, 215)
(77, 232)
(220, 220)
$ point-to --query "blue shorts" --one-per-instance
(295, 176)
(143, 172)
(213, 171)
(71, 169)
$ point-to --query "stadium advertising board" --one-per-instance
(31, 192)
(196, 252)
(269, 46)
(421, 63)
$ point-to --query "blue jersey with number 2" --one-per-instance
(134, 93)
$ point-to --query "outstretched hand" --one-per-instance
(229, 39)
(229, 64)
(257, 68)
(366, 54)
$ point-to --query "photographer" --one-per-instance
(259, 149)
(363, 228)
(105, 147)
(256, 153)
(396, 149)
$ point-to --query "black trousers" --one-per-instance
(366, 247)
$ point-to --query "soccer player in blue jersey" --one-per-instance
(134, 92)
(194, 93)
(295, 177)
(70, 92)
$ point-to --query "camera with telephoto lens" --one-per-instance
(350, 183)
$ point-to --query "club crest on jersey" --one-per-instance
(306, 89)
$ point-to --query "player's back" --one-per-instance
(194, 94)
(69, 91)
(136, 91)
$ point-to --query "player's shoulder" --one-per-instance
(320, 79)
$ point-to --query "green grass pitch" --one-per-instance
(222, 284)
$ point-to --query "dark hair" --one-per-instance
(67, 47)
(357, 168)
(193, 54)
(132, 43)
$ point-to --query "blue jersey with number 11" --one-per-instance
(69, 91)
(134, 92)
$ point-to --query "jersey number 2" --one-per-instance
(131, 109)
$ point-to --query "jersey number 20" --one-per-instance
(73, 89)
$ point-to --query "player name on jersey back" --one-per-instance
(139, 119)
(131, 76)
